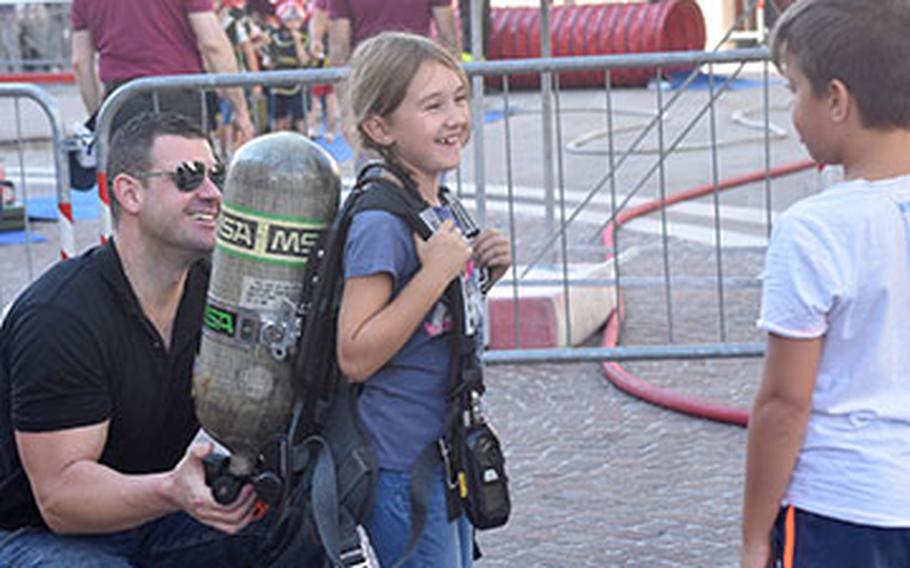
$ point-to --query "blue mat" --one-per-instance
(18, 237)
(338, 148)
(499, 114)
(702, 81)
(44, 208)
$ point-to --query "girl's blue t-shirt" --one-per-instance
(402, 404)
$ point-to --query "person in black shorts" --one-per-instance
(288, 48)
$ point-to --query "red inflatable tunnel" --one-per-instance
(597, 29)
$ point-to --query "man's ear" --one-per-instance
(128, 192)
(377, 130)
(840, 101)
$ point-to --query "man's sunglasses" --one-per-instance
(189, 175)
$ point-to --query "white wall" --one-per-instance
(719, 16)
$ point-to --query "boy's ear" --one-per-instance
(840, 100)
(377, 130)
(128, 192)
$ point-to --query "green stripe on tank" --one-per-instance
(285, 241)
(273, 216)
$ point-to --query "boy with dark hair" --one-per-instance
(828, 467)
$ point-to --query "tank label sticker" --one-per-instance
(263, 294)
(230, 324)
(269, 238)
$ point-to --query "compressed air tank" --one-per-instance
(281, 192)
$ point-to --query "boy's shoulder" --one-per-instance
(853, 203)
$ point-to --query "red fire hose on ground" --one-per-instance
(635, 385)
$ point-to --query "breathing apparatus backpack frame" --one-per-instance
(326, 459)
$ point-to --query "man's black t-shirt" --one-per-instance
(75, 350)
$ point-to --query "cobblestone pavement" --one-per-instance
(602, 479)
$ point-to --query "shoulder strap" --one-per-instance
(401, 199)
(465, 221)
(314, 364)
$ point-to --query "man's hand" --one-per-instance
(244, 127)
(317, 48)
(194, 497)
(492, 249)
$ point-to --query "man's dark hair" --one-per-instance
(863, 43)
(131, 146)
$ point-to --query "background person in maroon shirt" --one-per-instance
(115, 41)
(352, 21)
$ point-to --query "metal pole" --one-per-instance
(477, 112)
(766, 104)
(24, 187)
(718, 229)
(642, 353)
(662, 186)
(510, 188)
(546, 88)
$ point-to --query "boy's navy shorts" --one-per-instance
(801, 539)
(288, 105)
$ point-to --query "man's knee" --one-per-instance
(33, 547)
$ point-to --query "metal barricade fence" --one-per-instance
(19, 172)
(509, 191)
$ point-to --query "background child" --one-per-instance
(288, 50)
(243, 35)
(829, 437)
(407, 100)
(324, 93)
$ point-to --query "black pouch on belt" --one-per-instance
(485, 487)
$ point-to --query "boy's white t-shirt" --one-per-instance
(838, 266)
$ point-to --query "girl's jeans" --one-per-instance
(442, 545)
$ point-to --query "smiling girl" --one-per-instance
(407, 100)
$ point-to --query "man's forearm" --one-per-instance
(118, 502)
(86, 70)
(218, 62)
(319, 24)
(447, 30)
(89, 88)
(219, 57)
(339, 42)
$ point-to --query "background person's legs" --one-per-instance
(10, 54)
(57, 38)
